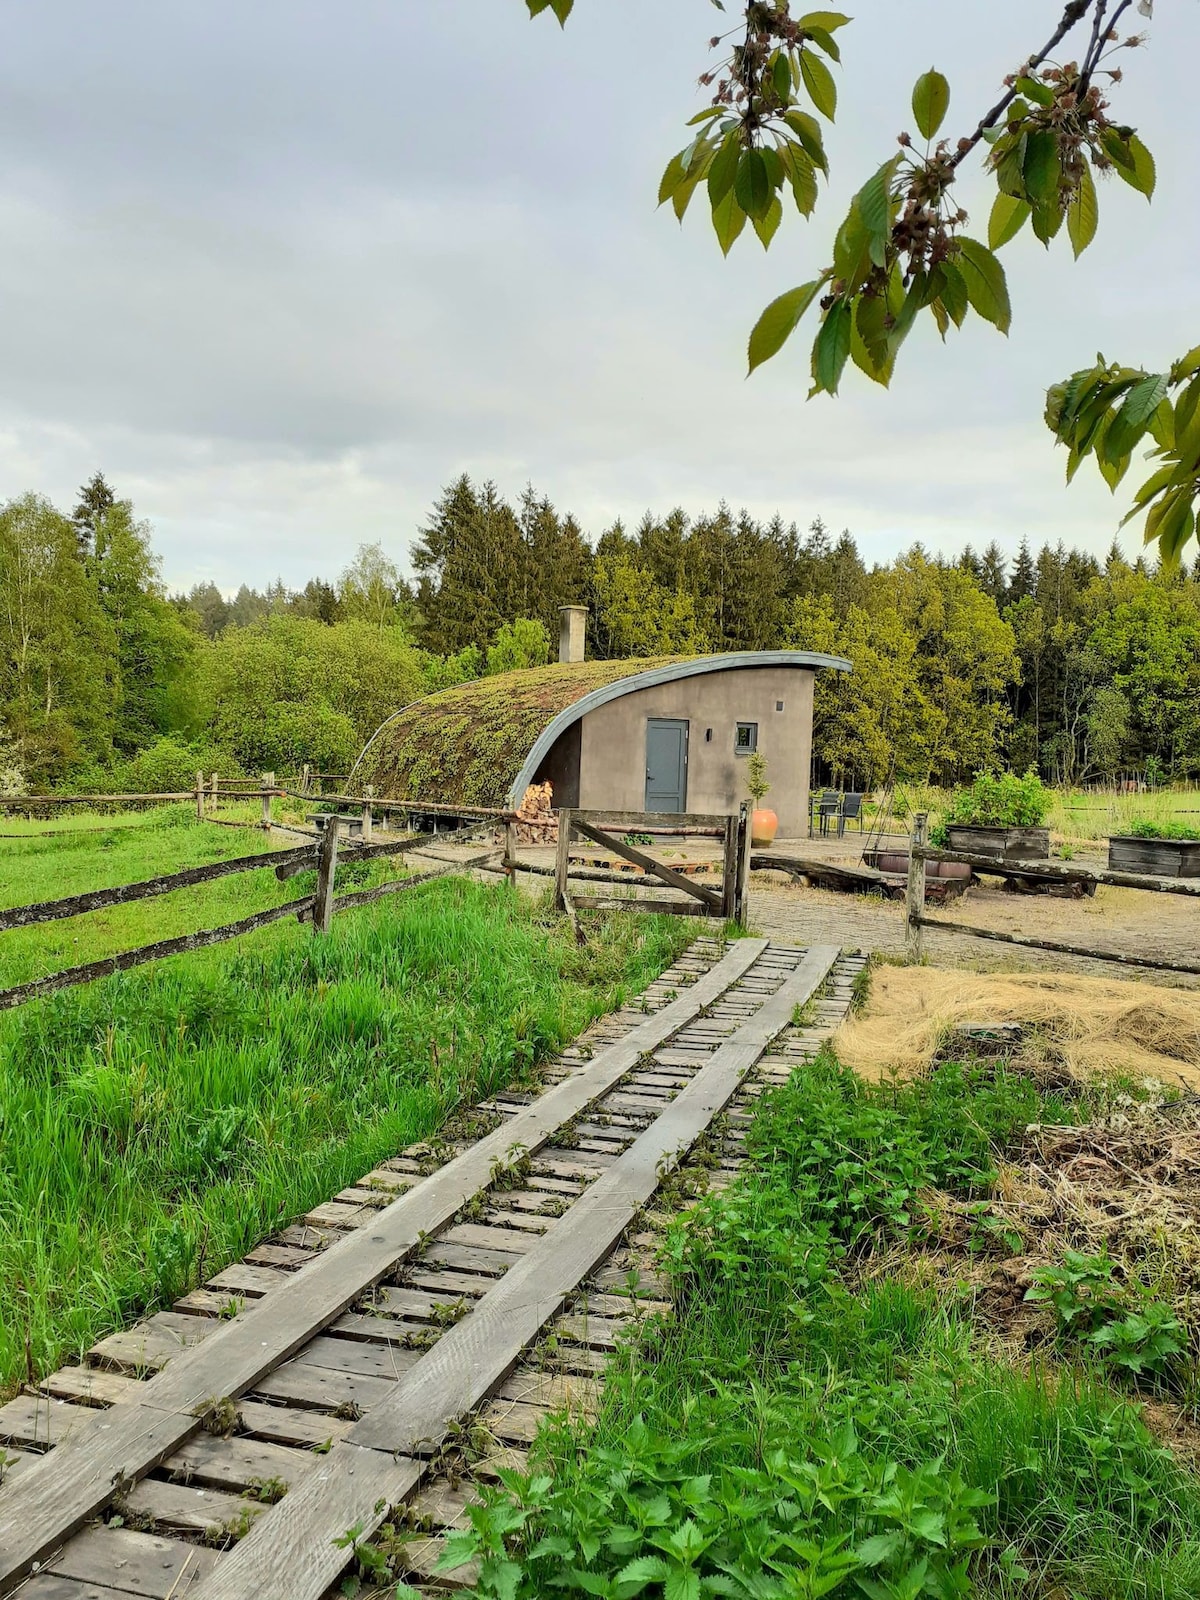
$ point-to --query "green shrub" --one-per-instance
(1001, 801)
(1164, 830)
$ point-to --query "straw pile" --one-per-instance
(1085, 1025)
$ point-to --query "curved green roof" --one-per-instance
(480, 743)
(466, 745)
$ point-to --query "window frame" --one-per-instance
(745, 750)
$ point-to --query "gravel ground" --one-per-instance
(1129, 921)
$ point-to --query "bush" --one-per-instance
(170, 765)
(1164, 830)
(1001, 801)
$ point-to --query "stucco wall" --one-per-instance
(612, 763)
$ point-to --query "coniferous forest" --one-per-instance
(1084, 669)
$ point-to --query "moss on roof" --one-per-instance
(466, 745)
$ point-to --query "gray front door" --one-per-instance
(666, 764)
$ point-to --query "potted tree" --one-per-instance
(1000, 816)
(764, 824)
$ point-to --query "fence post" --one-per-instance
(214, 794)
(743, 865)
(729, 870)
(562, 864)
(368, 820)
(199, 797)
(510, 851)
(914, 907)
(305, 778)
(326, 867)
(268, 779)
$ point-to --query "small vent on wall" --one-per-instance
(779, 705)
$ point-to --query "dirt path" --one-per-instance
(1130, 921)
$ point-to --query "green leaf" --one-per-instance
(870, 345)
(1172, 523)
(724, 169)
(774, 327)
(1009, 216)
(1010, 168)
(751, 185)
(954, 292)
(930, 102)
(818, 80)
(1040, 168)
(765, 227)
(671, 178)
(1041, 93)
(802, 174)
(1083, 215)
(683, 194)
(878, 1548)
(852, 248)
(824, 41)
(1186, 365)
(781, 78)
(728, 221)
(987, 287)
(644, 1569)
(1144, 176)
(560, 8)
(874, 202)
(1047, 221)
(808, 131)
(706, 115)
(832, 348)
(829, 21)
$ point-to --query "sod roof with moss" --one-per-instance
(466, 745)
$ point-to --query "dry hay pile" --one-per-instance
(1085, 1025)
(1128, 1185)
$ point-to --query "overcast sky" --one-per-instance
(283, 268)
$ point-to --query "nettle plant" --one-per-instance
(904, 248)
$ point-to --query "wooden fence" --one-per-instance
(611, 830)
(916, 921)
(320, 907)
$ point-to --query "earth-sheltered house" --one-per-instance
(666, 734)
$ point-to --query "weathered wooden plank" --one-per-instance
(522, 1221)
(323, 1388)
(469, 1258)
(90, 1386)
(248, 1281)
(150, 1344)
(423, 1305)
(140, 1563)
(479, 1235)
(445, 1280)
(283, 1424)
(51, 1586)
(1027, 943)
(176, 1508)
(245, 1349)
(147, 952)
(38, 1422)
(236, 1463)
(552, 1391)
(349, 1484)
(601, 1333)
(475, 1353)
(677, 880)
(650, 907)
(380, 1328)
(286, 1256)
(377, 1359)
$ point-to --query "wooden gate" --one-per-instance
(612, 830)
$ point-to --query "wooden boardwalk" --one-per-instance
(221, 1448)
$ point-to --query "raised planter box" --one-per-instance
(1158, 858)
(1005, 844)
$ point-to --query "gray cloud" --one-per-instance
(283, 269)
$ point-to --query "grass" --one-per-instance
(815, 1421)
(74, 855)
(156, 1125)
(1078, 816)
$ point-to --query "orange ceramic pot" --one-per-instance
(764, 825)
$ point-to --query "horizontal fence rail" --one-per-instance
(319, 907)
(920, 852)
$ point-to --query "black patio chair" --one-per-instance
(852, 811)
(827, 809)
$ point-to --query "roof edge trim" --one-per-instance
(728, 662)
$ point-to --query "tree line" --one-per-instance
(1080, 668)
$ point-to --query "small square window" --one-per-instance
(779, 705)
(745, 738)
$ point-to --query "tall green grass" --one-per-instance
(156, 1125)
(818, 1420)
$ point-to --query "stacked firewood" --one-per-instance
(536, 822)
